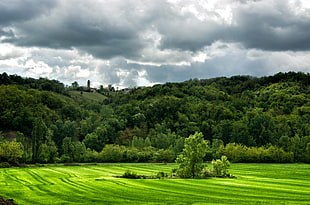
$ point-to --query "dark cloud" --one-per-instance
(86, 26)
(188, 33)
(127, 42)
(22, 10)
(271, 26)
(113, 28)
(266, 25)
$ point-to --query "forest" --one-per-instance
(245, 118)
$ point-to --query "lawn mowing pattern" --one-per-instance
(255, 184)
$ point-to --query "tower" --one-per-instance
(88, 84)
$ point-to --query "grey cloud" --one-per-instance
(234, 62)
(189, 34)
(271, 27)
(112, 28)
(267, 25)
(85, 27)
(153, 32)
(21, 10)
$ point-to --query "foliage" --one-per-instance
(220, 167)
(4, 165)
(191, 159)
(11, 152)
(240, 153)
(165, 155)
(262, 115)
(112, 153)
(130, 174)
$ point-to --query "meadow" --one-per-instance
(90, 184)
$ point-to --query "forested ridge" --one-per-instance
(247, 119)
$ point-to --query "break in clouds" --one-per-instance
(134, 43)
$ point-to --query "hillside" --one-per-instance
(89, 97)
(151, 123)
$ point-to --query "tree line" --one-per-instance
(245, 118)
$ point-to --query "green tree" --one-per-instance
(261, 129)
(191, 159)
(11, 152)
(73, 150)
(75, 85)
(112, 153)
(91, 141)
(38, 134)
(47, 151)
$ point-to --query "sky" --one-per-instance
(129, 43)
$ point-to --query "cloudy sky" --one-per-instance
(130, 43)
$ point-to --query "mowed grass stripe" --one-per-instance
(108, 190)
(142, 193)
(8, 179)
(65, 190)
(95, 185)
(187, 194)
(198, 192)
(274, 184)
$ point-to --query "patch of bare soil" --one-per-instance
(4, 201)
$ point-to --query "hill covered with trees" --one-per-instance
(245, 118)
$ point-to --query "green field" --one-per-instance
(88, 96)
(255, 184)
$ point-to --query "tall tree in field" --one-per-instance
(191, 159)
(38, 134)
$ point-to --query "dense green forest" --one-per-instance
(245, 118)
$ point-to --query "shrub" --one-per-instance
(90, 155)
(5, 165)
(161, 175)
(240, 153)
(165, 155)
(130, 175)
(112, 153)
(206, 173)
(220, 167)
(65, 158)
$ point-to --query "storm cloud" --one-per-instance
(133, 43)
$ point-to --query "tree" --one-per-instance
(75, 85)
(112, 153)
(47, 151)
(91, 141)
(191, 159)
(38, 134)
(11, 152)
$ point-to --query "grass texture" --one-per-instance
(255, 184)
(88, 96)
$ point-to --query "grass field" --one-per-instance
(89, 96)
(255, 184)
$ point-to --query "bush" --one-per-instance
(165, 155)
(65, 158)
(90, 155)
(112, 153)
(220, 167)
(161, 175)
(5, 165)
(240, 153)
(130, 175)
(206, 173)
